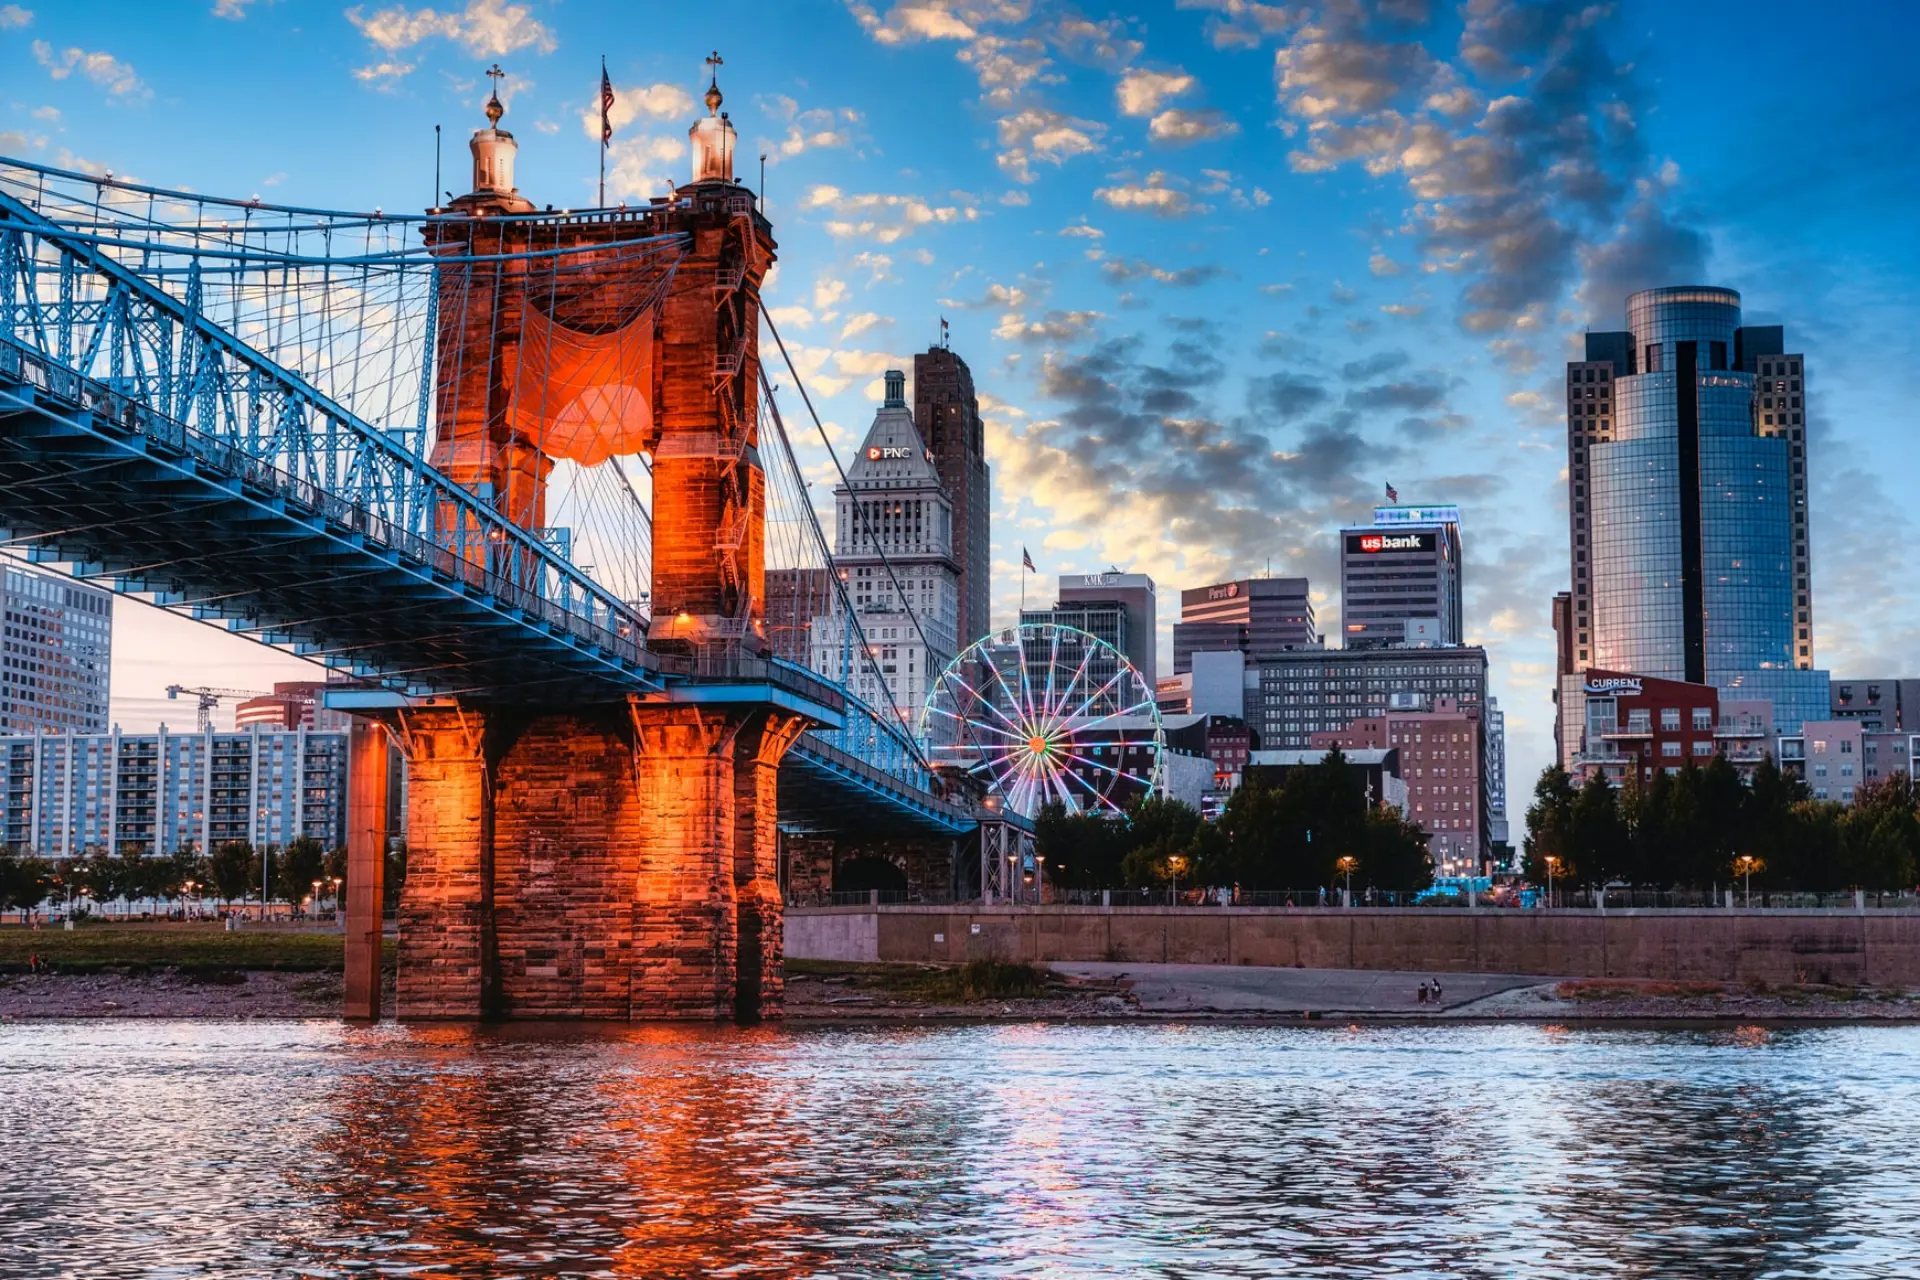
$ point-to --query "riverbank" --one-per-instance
(825, 991)
(302, 982)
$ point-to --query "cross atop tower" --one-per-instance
(714, 63)
(494, 109)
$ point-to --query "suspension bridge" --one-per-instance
(517, 478)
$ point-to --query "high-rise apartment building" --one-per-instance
(1255, 616)
(893, 548)
(66, 794)
(58, 651)
(946, 411)
(1495, 738)
(1686, 460)
(1402, 569)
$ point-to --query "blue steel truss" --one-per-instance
(146, 446)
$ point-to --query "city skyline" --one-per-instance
(1177, 405)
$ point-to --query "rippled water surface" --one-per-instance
(309, 1149)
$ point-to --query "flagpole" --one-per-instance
(603, 131)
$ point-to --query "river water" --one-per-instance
(311, 1149)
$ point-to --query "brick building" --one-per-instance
(1442, 752)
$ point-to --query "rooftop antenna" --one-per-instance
(763, 181)
(436, 164)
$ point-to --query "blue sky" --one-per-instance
(1222, 269)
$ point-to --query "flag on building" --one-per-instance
(1026, 561)
(606, 106)
(1393, 494)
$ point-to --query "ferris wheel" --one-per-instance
(1047, 714)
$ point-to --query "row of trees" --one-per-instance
(231, 873)
(1695, 828)
(1287, 837)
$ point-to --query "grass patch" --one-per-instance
(199, 948)
(970, 983)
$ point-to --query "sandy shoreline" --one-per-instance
(1151, 993)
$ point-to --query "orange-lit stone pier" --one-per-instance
(618, 863)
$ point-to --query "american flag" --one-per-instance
(1393, 494)
(1026, 561)
(606, 105)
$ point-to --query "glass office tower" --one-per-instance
(1689, 504)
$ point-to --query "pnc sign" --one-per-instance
(877, 452)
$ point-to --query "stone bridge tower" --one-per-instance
(602, 861)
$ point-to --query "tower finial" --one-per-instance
(494, 109)
(714, 63)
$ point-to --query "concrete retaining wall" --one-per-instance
(1875, 948)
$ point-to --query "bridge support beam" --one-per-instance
(615, 862)
(366, 865)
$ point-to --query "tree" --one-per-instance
(1880, 834)
(1549, 824)
(303, 862)
(1597, 840)
(233, 870)
(1394, 852)
(1083, 850)
(25, 881)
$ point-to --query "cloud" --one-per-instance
(859, 324)
(997, 296)
(12, 15)
(1517, 186)
(1374, 365)
(642, 167)
(1242, 24)
(49, 114)
(638, 102)
(809, 130)
(828, 292)
(1124, 270)
(1152, 196)
(1054, 326)
(883, 219)
(232, 10)
(1082, 230)
(383, 75)
(105, 70)
(1285, 396)
(1139, 459)
(1179, 127)
(485, 28)
(912, 20)
(794, 317)
(1039, 133)
(878, 266)
(1141, 92)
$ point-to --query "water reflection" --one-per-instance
(313, 1150)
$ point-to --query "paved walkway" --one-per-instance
(1193, 988)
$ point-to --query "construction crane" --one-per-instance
(210, 699)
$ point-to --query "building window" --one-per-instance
(1669, 718)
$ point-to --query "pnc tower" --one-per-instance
(1687, 464)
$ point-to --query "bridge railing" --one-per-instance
(115, 410)
(94, 332)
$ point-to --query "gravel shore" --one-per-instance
(883, 993)
(170, 994)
